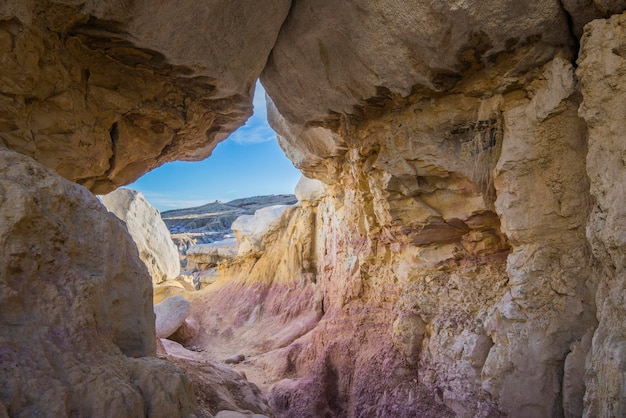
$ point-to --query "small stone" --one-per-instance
(236, 359)
(170, 315)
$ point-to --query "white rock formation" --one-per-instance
(203, 256)
(170, 315)
(144, 224)
(249, 230)
(310, 190)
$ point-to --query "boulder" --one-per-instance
(187, 331)
(250, 230)
(75, 306)
(310, 190)
(170, 315)
(156, 248)
(235, 359)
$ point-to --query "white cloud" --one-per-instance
(253, 132)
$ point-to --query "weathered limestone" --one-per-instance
(144, 224)
(204, 256)
(543, 203)
(75, 306)
(602, 73)
(104, 91)
(310, 191)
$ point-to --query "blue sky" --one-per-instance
(248, 163)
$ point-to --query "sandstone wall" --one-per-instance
(602, 73)
(454, 247)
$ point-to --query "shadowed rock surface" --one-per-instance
(64, 323)
(102, 92)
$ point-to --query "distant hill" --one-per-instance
(218, 216)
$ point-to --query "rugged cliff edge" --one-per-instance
(466, 257)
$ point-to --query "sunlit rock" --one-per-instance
(250, 230)
(310, 190)
(144, 224)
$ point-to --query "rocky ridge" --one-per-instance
(212, 222)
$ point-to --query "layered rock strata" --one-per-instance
(453, 257)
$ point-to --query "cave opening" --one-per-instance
(243, 188)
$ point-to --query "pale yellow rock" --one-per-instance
(542, 201)
(602, 74)
(250, 230)
(310, 190)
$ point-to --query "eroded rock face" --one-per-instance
(250, 230)
(602, 74)
(202, 257)
(144, 224)
(75, 306)
(104, 91)
(466, 257)
(451, 255)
